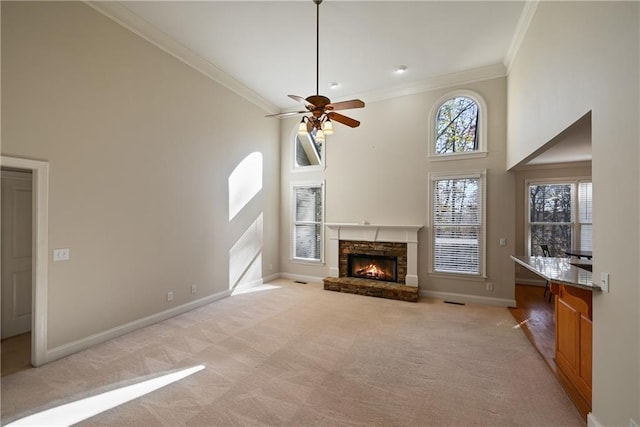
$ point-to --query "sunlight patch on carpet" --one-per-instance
(240, 291)
(74, 412)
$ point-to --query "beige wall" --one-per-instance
(140, 148)
(379, 172)
(579, 57)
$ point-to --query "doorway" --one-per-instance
(16, 278)
(39, 172)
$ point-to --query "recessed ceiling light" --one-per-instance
(334, 85)
(400, 69)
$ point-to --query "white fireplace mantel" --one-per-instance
(374, 233)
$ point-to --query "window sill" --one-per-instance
(459, 276)
(305, 261)
(457, 156)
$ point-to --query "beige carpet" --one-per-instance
(297, 355)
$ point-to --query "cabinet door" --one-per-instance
(567, 329)
(586, 333)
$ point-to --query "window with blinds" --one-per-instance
(457, 218)
(307, 223)
(560, 216)
(585, 219)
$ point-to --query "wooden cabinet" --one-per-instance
(574, 326)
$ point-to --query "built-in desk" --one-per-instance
(572, 288)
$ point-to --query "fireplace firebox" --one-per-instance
(376, 267)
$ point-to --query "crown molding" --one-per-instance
(522, 27)
(437, 82)
(115, 11)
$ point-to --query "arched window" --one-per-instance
(307, 152)
(459, 126)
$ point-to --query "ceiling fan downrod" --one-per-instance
(317, 2)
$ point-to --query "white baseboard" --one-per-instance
(302, 278)
(91, 340)
(592, 422)
(448, 296)
(270, 278)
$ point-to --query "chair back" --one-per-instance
(545, 250)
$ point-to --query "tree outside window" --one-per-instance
(553, 210)
(456, 126)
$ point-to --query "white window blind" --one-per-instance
(585, 218)
(307, 224)
(457, 221)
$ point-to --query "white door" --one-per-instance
(16, 252)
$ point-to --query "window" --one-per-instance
(458, 126)
(307, 222)
(457, 219)
(307, 153)
(560, 216)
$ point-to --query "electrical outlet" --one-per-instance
(170, 296)
(61, 254)
(194, 289)
(489, 286)
(503, 241)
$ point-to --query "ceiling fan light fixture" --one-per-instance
(302, 127)
(327, 127)
(319, 137)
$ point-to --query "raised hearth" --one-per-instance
(372, 288)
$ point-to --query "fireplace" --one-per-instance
(400, 241)
(375, 267)
(385, 261)
(374, 260)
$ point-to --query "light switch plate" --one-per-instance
(61, 254)
(604, 281)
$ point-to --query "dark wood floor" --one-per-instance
(15, 354)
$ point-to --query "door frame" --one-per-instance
(40, 250)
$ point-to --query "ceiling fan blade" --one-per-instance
(290, 113)
(302, 101)
(345, 105)
(343, 119)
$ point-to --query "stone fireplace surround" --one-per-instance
(392, 240)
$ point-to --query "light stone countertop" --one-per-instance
(558, 270)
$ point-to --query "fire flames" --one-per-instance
(372, 270)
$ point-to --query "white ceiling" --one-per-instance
(265, 50)
(270, 46)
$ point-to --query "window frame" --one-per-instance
(481, 175)
(307, 184)
(575, 224)
(482, 124)
(294, 165)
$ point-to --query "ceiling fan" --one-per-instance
(322, 110)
